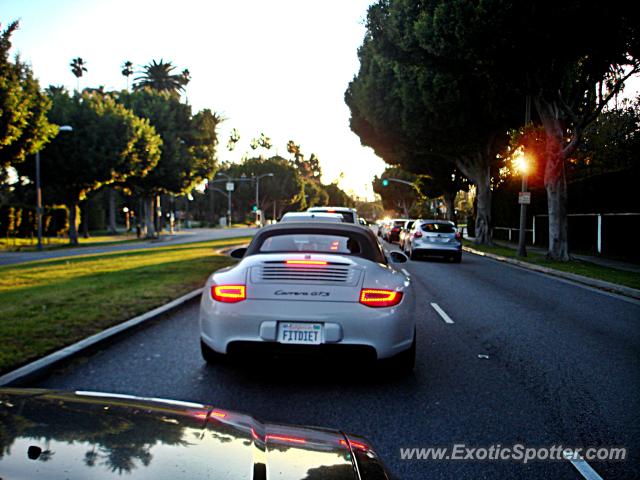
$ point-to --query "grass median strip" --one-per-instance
(579, 267)
(49, 304)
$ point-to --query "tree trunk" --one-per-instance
(112, 210)
(149, 225)
(73, 223)
(477, 169)
(483, 215)
(450, 202)
(85, 219)
(555, 180)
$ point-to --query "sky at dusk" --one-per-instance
(279, 67)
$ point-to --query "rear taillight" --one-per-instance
(372, 297)
(228, 293)
(395, 229)
(417, 235)
(458, 236)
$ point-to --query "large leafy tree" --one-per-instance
(278, 194)
(188, 146)
(24, 128)
(418, 108)
(397, 196)
(108, 144)
(159, 76)
(537, 48)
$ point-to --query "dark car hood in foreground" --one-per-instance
(86, 435)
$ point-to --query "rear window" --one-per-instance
(347, 217)
(409, 225)
(299, 242)
(398, 223)
(438, 227)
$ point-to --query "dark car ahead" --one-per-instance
(392, 234)
(82, 435)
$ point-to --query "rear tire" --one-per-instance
(210, 355)
(413, 255)
(457, 257)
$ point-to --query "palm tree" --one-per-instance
(159, 76)
(127, 71)
(78, 68)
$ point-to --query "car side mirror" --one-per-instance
(398, 257)
(238, 252)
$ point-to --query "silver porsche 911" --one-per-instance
(311, 288)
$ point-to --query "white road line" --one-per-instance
(442, 313)
(404, 270)
(582, 466)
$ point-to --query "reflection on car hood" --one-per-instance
(80, 435)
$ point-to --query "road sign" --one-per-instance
(230, 186)
(524, 198)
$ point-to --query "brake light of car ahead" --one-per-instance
(417, 235)
(458, 236)
(229, 293)
(372, 297)
(306, 262)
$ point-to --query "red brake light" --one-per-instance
(372, 297)
(458, 236)
(229, 293)
(356, 445)
(418, 234)
(306, 262)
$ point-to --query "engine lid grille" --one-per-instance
(280, 272)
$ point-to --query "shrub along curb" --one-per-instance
(591, 282)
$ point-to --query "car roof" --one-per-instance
(337, 209)
(370, 246)
(311, 216)
(445, 222)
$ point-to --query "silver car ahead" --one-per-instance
(311, 288)
(434, 237)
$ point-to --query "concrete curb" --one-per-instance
(40, 367)
(591, 282)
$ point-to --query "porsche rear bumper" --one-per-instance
(387, 331)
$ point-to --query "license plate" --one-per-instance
(300, 333)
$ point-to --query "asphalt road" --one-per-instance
(559, 365)
(189, 236)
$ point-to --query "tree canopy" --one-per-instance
(107, 145)
(24, 128)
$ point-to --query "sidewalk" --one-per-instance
(602, 261)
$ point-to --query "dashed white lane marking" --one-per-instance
(442, 313)
(582, 466)
(404, 270)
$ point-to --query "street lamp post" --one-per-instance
(522, 247)
(228, 196)
(258, 195)
(63, 128)
(523, 198)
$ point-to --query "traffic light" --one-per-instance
(385, 182)
(254, 208)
